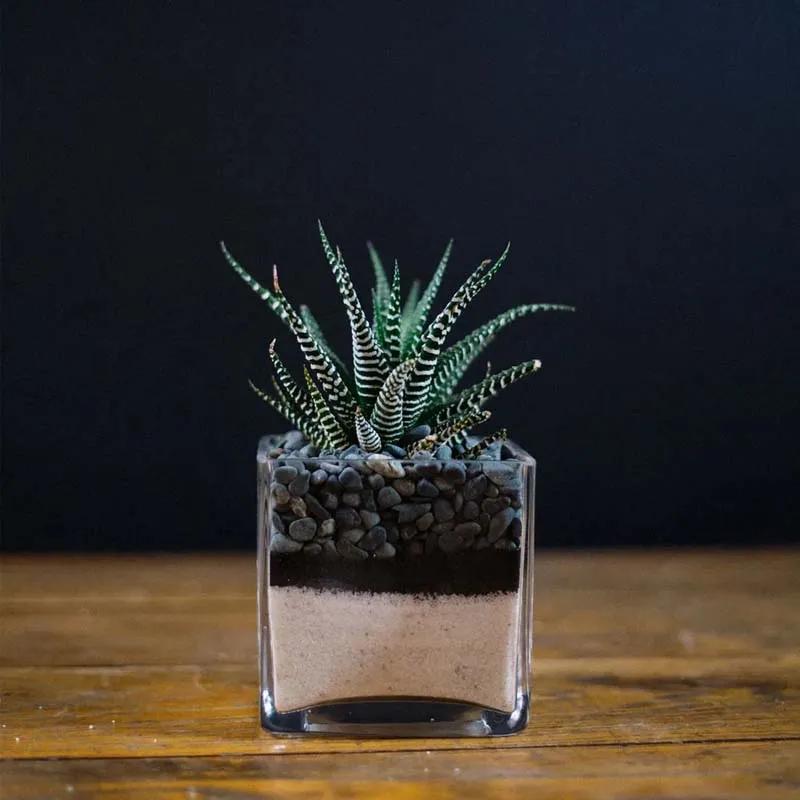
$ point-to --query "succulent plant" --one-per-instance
(403, 376)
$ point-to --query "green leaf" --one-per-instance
(392, 320)
(387, 415)
(368, 438)
(334, 432)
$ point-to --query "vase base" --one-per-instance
(396, 718)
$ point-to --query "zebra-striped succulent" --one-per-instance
(403, 376)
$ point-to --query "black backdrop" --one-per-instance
(642, 157)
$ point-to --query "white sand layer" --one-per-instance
(336, 645)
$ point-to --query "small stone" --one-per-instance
(354, 451)
(318, 477)
(425, 521)
(280, 494)
(315, 508)
(284, 474)
(330, 468)
(373, 539)
(329, 551)
(277, 523)
(347, 518)
(368, 500)
(369, 518)
(386, 467)
(444, 453)
(404, 487)
(327, 527)
(388, 497)
(395, 451)
(392, 534)
(312, 549)
(419, 432)
(354, 535)
(451, 542)
(279, 543)
(443, 510)
(503, 544)
(429, 468)
(471, 510)
(492, 491)
(350, 479)
(386, 550)
(408, 512)
(303, 530)
(458, 502)
(407, 533)
(426, 489)
(376, 481)
(333, 485)
(352, 499)
(484, 519)
(468, 530)
(293, 440)
(298, 506)
(493, 505)
(443, 527)
(515, 529)
(299, 485)
(499, 473)
(475, 487)
(499, 522)
(330, 501)
(309, 451)
(349, 551)
(455, 472)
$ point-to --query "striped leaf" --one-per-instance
(429, 347)
(368, 438)
(476, 450)
(307, 425)
(478, 394)
(298, 397)
(323, 368)
(334, 432)
(391, 322)
(369, 364)
(316, 331)
(264, 293)
(450, 430)
(456, 360)
(387, 415)
(417, 322)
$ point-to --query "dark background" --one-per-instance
(643, 158)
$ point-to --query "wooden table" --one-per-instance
(657, 674)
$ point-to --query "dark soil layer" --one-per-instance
(467, 573)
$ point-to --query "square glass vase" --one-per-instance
(395, 596)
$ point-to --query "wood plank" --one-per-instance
(212, 709)
(200, 609)
(726, 771)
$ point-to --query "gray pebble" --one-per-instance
(443, 510)
(388, 497)
(458, 501)
(392, 534)
(309, 451)
(373, 539)
(277, 523)
(471, 510)
(408, 512)
(429, 468)
(455, 472)
(312, 549)
(315, 508)
(333, 485)
(352, 499)
(349, 551)
(279, 543)
(468, 530)
(475, 487)
(426, 489)
(331, 468)
(293, 439)
(329, 550)
(492, 491)
(354, 535)
(451, 542)
(419, 432)
(330, 501)
(386, 550)
(443, 527)
(376, 481)
(318, 477)
(515, 529)
(284, 474)
(303, 530)
(354, 451)
(404, 487)
(493, 505)
(484, 519)
(499, 522)
(407, 533)
(327, 527)
(425, 521)
(503, 544)
(499, 473)
(370, 518)
(394, 450)
(299, 485)
(350, 479)
(445, 452)
(347, 518)
(368, 500)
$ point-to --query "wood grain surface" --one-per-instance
(656, 674)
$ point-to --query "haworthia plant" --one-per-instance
(402, 374)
